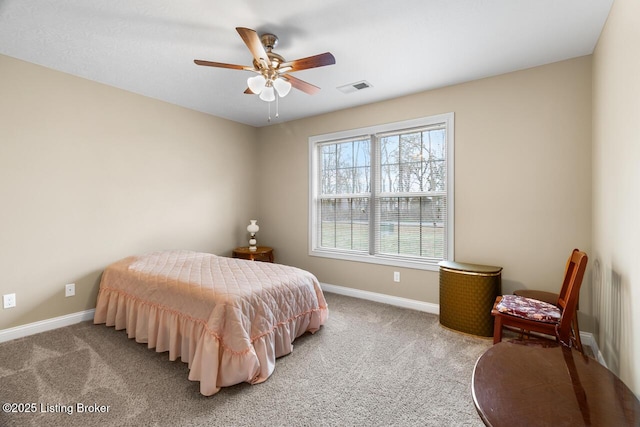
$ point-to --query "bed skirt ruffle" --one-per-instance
(210, 361)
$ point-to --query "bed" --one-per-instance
(228, 318)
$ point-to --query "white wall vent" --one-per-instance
(354, 87)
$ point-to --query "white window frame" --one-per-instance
(447, 119)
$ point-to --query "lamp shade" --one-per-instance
(282, 86)
(267, 94)
(253, 227)
(256, 83)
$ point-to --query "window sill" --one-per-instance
(419, 264)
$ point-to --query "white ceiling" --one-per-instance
(400, 47)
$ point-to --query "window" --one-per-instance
(384, 194)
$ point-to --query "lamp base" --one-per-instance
(253, 248)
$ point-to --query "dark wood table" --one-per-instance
(540, 383)
(262, 253)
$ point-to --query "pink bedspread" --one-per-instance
(227, 318)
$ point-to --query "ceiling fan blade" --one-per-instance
(302, 85)
(252, 40)
(310, 62)
(249, 91)
(222, 65)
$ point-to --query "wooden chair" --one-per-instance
(552, 298)
(529, 315)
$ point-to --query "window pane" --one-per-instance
(345, 167)
(390, 173)
(327, 223)
(389, 178)
(435, 143)
(389, 150)
(434, 152)
(409, 153)
(362, 180)
(328, 185)
(344, 183)
(345, 224)
(362, 153)
(413, 161)
(328, 157)
(345, 154)
(412, 226)
(328, 169)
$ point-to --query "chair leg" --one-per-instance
(497, 329)
(576, 332)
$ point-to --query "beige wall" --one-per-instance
(616, 191)
(522, 179)
(90, 174)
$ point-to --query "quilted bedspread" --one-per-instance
(229, 319)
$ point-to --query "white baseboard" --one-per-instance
(386, 299)
(589, 341)
(45, 325)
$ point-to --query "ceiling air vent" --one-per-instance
(354, 87)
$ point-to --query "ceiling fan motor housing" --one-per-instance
(269, 41)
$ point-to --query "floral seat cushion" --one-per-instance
(529, 308)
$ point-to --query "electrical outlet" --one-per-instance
(396, 276)
(9, 300)
(70, 290)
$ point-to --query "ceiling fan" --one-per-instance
(272, 69)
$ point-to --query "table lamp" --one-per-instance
(253, 228)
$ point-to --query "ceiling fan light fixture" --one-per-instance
(267, 94)
(282, 86)
(256, 83)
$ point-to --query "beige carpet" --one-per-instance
(370, 365)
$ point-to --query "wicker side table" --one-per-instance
(467, 294)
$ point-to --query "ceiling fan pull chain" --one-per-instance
(269, 119)
(277, 106)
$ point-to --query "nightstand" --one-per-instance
(262, 253)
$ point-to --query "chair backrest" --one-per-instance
(562, 296)
(568, 298)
